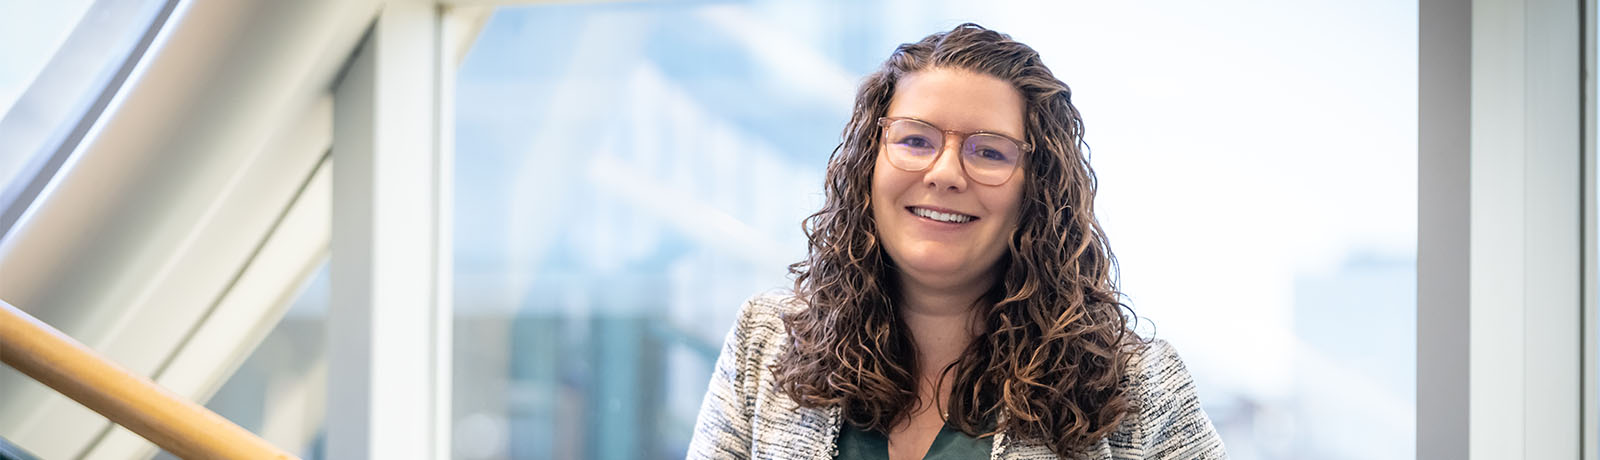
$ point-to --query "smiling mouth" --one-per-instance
(949, 217)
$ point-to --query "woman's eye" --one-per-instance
(992, 154)
(915, 142)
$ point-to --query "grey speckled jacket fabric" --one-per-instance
(744, 416)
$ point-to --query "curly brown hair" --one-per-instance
(1056, 336)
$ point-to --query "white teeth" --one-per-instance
(940, 216)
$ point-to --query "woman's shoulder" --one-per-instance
(1155, 372)
(760, 322)
(1154, 361)
(769, 307)
(1169, 421)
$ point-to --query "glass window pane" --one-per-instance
(280, 391)
(609, 221)
(33, 32)
(629, 173)
(57, 59)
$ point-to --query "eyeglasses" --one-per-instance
(914, 145)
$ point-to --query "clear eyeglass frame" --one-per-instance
(982, 176)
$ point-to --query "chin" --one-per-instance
(935, 269)
(934, 265)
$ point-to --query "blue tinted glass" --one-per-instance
(280, 391)
(59, 62)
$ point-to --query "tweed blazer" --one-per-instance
(745, 416)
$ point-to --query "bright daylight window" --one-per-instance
(280, 391)
(59, 62)
(629, 173)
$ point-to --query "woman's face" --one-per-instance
(934, 253)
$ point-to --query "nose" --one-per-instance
(945, 172)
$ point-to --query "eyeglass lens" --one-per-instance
(988, 159)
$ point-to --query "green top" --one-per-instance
(950, 444)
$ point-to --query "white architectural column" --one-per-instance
(389, 320)
(1444, 52)
(1500, 276)
(1591, 238)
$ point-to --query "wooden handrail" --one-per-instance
(176, 424)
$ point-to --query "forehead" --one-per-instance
(960, 100)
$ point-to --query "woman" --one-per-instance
(957, 300)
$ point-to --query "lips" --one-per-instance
(941, 215)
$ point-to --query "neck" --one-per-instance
(942, 320)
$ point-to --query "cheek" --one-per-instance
(885, 183)
(1013, 224)
(1008, 202)
(880, 198)
(875, 188)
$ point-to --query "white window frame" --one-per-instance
(189, 305)
(1591, 243)
(150, 244)
(1502, 232)
(388, 324)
